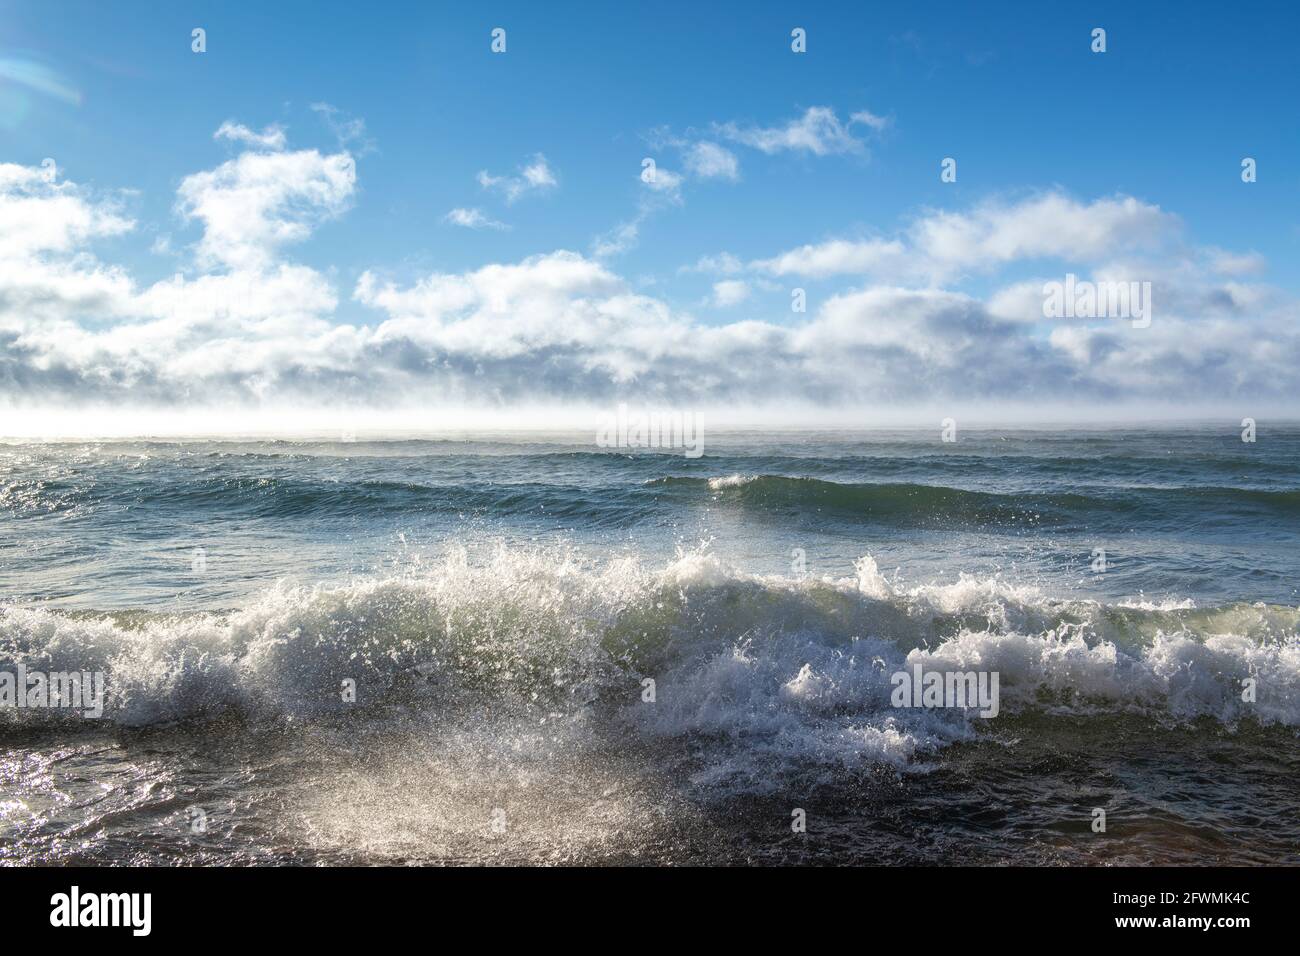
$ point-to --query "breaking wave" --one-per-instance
(764, 673)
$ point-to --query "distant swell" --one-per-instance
(561, 487)
(920, 504)
(885, 501)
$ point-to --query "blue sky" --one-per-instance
(413, 96)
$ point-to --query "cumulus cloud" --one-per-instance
(252, 205)
(837, 257)
(1235, 264)
(730, 292)
(251, 328)
(47, 272)
(41, 214)
(75, 329)
(534, 176)
(574, 329)
(940, 244)
(1049, 225)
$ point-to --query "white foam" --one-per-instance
(767, 674)
(729, 481)
(1139, 604)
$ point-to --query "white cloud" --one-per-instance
(1020, 302)
(40, 214)
(49, 278)
(473, 219)
(818, 131)
(257, 202)
(272, 137)
(867, 118)
(706, 160)
(724, 263)
(563, 304)
(928, 327)
(664, 181)
(1048, 225)
(618, 240)
(533, 176)
(73, 329)
(350, 131)
(547, 281)
(730, 292)
(662, 191)
(562, 327)
(837, 257)
(941, 245)
(1234, 264)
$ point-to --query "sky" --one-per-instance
(365, 211)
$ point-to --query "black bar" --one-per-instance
(335, 906)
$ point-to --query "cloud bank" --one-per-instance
(246, 326)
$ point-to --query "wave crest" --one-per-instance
(769, 672)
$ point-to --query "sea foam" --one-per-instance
(764, 673)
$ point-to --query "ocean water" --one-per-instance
(500, 602)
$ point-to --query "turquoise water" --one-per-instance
(498, 604)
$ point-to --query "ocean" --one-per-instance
(525, 648)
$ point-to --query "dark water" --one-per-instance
(498, 605)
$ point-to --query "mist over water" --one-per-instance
(500, 602)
